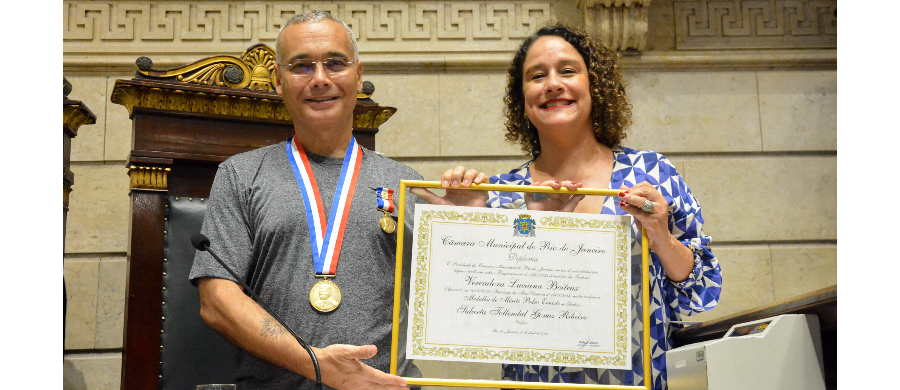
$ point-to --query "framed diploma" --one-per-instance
(518, 286)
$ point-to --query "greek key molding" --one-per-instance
(460, 35)
(217, 26)
(755, 24)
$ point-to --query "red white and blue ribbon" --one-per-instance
(385, 199)
(326, 236)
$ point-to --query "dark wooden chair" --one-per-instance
(185, 122)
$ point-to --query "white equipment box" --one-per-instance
(783, 352)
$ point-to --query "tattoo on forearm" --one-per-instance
(270, 327)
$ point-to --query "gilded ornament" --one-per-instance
(66, 191)
(261, 59)
(367, 90)
(382, 117)
(154, 98)
(143, 63)
(233, 74)
(221, 105)
(176, 100)
(242, 106)
(126, 95)
(253, 70)
(149, 178)
(74, 116)
(363, 119)
(199, 102)
(264, 108)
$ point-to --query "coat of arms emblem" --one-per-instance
(523, 226)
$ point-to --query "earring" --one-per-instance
(527, 122)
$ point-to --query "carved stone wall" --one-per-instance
(621, 24)
(458, 35)
(756, 24)
(221, 21)
(184, 30)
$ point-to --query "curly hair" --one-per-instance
(611, 112)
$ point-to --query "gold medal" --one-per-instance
(325, 296)
(387, 224)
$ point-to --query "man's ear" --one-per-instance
(277, 74)
(359, 82)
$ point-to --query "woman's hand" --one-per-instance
(451, 181)
(554, 202)
(676, 259)
(655, 222)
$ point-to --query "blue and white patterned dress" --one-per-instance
(669, 301)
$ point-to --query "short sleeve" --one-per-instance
(226, 226)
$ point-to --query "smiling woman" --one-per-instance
(586, 65)
(556, 89)
(566, 106)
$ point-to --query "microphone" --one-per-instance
(201, 242)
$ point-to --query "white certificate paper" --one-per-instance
(520, 286)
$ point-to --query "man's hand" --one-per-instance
(225, 307)
(341, 369)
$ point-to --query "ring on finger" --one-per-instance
(647, 207)
(539, 196)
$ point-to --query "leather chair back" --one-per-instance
(191, 353)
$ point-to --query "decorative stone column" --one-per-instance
(620, 24)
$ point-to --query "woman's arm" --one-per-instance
(676, 237)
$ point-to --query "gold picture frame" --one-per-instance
(645, 295)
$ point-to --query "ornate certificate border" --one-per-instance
(619, 358)
(645, 296)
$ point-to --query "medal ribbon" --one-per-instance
(326, 248)
(385, 199)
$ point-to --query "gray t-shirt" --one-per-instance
(256, 223)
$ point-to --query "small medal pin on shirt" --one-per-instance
(385, 199)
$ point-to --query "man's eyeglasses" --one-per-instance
(306, 68)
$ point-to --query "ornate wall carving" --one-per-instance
(755, 24)
(422, 36)
(216, 27)
(621, 24)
